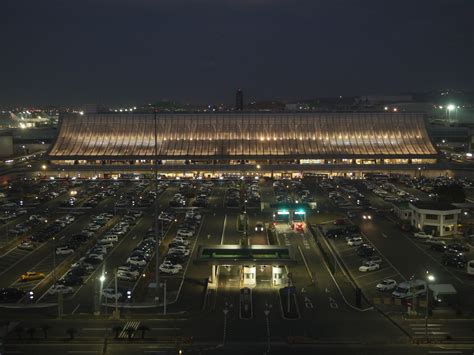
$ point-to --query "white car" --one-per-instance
(26, 246)
(422, 235)
(369, 267)
(355, 241)
(386, 285)
(183, 251)
(136, 261)
(170, 269)
(58, 288)
(126, 276)
(64, 251)
(96, 256)
(128, 270)
(109, 293)
(184, 233)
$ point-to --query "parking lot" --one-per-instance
(91, 235)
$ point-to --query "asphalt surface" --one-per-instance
(326, 304)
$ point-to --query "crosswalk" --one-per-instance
(133, 324)
(430, 330)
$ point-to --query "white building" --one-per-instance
(438, 218)
(403, 211)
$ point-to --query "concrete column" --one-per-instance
(213, 276)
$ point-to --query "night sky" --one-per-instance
(132, 51)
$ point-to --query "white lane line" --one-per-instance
(368, 273)
(432, 333)
(75, 309)
(388, 261)
(223, 229)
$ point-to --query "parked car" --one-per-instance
(422, 235)
(386, 285)
(59, 288)
(369, 267)
(355, 241)
(109, 293)
(32, 276)
(65, 250)
(26, 246)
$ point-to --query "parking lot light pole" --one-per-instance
(54, 252)
(157, 236)
(429, 278)
(116, 292)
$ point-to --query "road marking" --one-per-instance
(432, 333)
(129, 325)
(384, 235)
(223, 229)
(327, 290)
(386, 259)
(75, 309)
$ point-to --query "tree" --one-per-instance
(117, 329)
(45, 328)
(31, 332)
(71, 332)
(19, 332)
(130, 332)
(143, 329)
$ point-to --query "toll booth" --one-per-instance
(277, 275)
(249, 275)
(246, 259)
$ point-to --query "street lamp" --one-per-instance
(429, 278)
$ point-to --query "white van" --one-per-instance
(408, 289)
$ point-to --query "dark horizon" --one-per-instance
(127, 52)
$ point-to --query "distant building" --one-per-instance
(439, 218)
(239, 100)
(381, 99)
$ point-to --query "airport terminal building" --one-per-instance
(264, 143)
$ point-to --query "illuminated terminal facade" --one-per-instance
(242, 142)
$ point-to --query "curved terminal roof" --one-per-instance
(243, 135)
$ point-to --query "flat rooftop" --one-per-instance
(244, 255)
